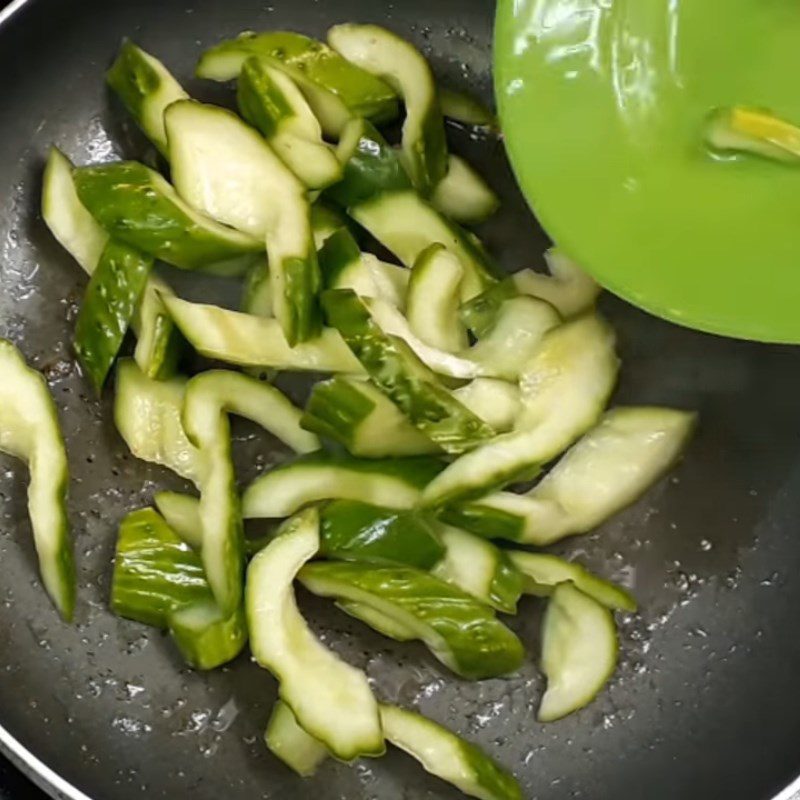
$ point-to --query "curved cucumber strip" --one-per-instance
(146, 88)
(226, 170)
(344, 266)
(462, 107)
(505, 349)
(543, 572)
(404, 68)
(753, 130)
(568, 288)
(393, 483)
(270, 101)
(463, 195)
(433, 299)
(182, 513)
(363, 419)
(391, 322)
(251, 341)
(335, 89)
(74, 227)
(496, 402)
(297, 749)
(397, 371)
(406, 224)
(330, 699)
(579, 651)
(460, 631)
(354, 531)
(108, 307)
(148, 417)
(206, 637)
(137, 206)
(370, 165)
(448, 756)
(607, 470)
(155, 572)
(479, 568)
(29, 430)
(382, 623)
(564, 388)
(480, 313)
(159, 344)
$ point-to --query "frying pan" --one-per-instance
(706, 702)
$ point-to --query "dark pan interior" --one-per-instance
(706, 703)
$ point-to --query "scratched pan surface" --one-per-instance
(706, 703)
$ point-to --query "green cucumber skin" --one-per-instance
(480, 313)
(134, 204)
(260, 102)
(155, 571)
(507, 585)
(490, 523)
(371, 167)
(478, 645)
(30, 431)
(217, 641)
(426, 402)
(335, 409)
(465, 109)
(339, 251)
(108, 307)
(301, 290)
(137, 83)
(354, 531)
(361, 94)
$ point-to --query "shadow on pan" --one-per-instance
(706, 703)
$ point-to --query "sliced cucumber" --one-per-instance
(405, 224)
(382, 623)
(108, 306)
(462, 632)
(146, 88)
(393, 483)
(74, 227)
(148, 417)
(29, 430)
(159, 344)
(568, 288)
(137, 206)
(257, 290)
(325, 221)
(448, 756)
(495, 401)
(363, 419)
(344, 266)
(543, 572)
(740, 129)
(462, 107)
(182, 513)
(335, 89)
(155, 572)
(226, 170)
(579, 651)
(607, 470)
(330, 699)
(479, 568)
(270, 101)
(391, 322)
(564, 388)
(519, 327)
(397, 371)
(251, 341)
(370, 165)
(404, 68)
(480, 313)
(433, 299)
(207, 638)
(463, 195)
(354, 531)
(297, 749)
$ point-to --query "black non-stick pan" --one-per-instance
(706, 702)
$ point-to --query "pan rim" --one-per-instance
(37, 770)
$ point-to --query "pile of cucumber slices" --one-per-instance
(444, 385)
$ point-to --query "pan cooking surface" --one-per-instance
(705, 702)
